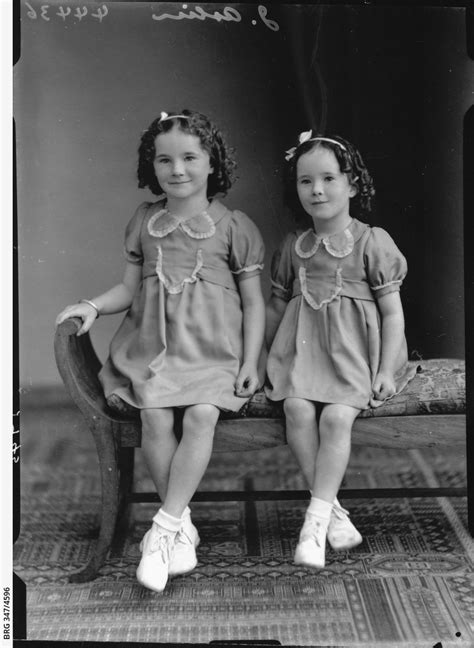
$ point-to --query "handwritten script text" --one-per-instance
(227, 14)
(76, 12)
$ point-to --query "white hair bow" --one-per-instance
(302, 138)
(164, 116)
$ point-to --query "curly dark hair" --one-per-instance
(350, 162)
(212, 141)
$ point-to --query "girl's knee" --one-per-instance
(336, 422)
(156, 422)
(200, 417)
(300, 411)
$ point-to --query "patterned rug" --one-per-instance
(409, 584)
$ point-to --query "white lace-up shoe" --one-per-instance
(157, 549)
(342, 534)
(184, 557)
(311, 548)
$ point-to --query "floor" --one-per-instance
(409, 584)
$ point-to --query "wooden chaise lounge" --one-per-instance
(431, 411)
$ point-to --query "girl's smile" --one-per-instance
(182, 166)
(324, 191)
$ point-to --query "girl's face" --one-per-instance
(182, 166)
(324, 191)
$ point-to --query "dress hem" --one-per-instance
(316, 400)
(407, 377)
(179, 404)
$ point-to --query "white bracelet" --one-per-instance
(91, 303)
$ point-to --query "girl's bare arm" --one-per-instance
(115, 300)
(253, 307)
(393, 331)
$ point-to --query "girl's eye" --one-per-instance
(162, 160)
(304, 181)
(329, 178)
(190, 158)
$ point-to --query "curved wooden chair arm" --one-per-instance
(79, 366)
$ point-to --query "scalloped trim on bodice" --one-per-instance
(307, 294)
(175, 288)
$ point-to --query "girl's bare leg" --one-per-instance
(335, 426)
(159, 445)
(168, 548)
(302, 434)
(191, 458)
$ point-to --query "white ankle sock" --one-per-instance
(336, 501)
(186, 514)
(167, 522)
(320, 509)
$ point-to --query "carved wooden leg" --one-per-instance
(126, 468)
(108, 454)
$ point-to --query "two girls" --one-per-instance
(191, 337)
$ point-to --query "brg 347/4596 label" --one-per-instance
(6, 613)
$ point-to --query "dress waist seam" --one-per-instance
(352, 289)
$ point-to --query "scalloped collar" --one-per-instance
(338, 245)
(203, 225)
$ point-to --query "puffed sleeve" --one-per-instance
(246, 247)
(386, 265)
(282, 273)
(132, 244)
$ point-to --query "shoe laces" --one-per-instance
(161, 542)
(339, 512)
(312, 530)
(183, 538)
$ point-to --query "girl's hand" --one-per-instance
(247, 381)
(85, 311)
(383, 387)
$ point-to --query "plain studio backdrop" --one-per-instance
(91, 78)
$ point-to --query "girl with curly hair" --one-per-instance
(189, 344)
(335, 327)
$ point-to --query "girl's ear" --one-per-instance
(211, 165)
(354, 190)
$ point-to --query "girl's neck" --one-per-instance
(334, 226)
(187, 208)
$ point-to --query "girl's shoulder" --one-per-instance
(136, 221)
(379, 237)
(236, 220)
(380, 249)
(288, 241)
(233, 215)
(147, 208)
(217, 211)
(151, 207)
(292, 236)
(286, 246)
(370, 235)
(144, 212)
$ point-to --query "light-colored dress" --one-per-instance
(180, 342)
(327, 347)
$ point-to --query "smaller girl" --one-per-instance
(335, 327)
(189, 343)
